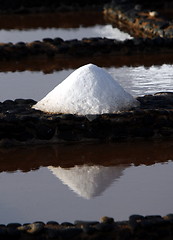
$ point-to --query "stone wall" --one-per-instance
(137, 227)
(88, 47)
(20, 124)
(138, 20)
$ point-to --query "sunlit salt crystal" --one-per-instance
(88, 90)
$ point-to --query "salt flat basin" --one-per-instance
(136, 80)
(39, 195)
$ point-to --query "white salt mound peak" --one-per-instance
(88, 90)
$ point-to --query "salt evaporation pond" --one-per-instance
(135, 80)
(66, 25)
(126, 189)
(30, 35)
(55, 193)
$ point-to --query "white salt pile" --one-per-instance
(88, 90)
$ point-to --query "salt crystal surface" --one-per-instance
(88, 90)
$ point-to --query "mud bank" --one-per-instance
(137, 227)
(20, 124)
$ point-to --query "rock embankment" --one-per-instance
(137, 20)
(87, 47)
(137, 227)
(20, 124)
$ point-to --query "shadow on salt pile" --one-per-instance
(88, 181)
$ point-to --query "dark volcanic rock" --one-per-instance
(87, 47)
(138, 227)
(20, 124)
(133, 17)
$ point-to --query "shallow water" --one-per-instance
(107, 31)
(136, 80)
(126, 180)
(78, 25)
(141, 80)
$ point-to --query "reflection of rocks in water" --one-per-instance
(68, 156)
(88, 181)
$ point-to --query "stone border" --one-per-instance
(20, 124)
(137, 20)
(137, 227)
(87, 47)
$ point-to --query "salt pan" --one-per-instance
(88, 90)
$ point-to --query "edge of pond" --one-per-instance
(136, 227)
(20, 124)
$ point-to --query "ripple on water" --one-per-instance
(141, 80)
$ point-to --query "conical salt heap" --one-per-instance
(88, 90)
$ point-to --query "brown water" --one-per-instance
(86, 181)
(28, 28)
(51, 20)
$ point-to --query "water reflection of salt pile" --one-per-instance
(88, 181)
